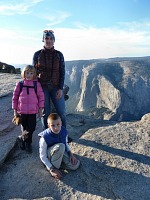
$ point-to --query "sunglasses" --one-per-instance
(46, 31)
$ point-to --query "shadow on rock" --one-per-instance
(119, 152)
(94, 177)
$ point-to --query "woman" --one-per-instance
(50, 66)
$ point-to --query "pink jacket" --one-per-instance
(28, 103)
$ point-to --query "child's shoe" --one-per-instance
(28, 148)
(70, 139)
(21, 143)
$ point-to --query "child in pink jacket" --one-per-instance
(27, 101)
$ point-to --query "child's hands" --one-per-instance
(73, 159)
(55, 173)
(40, 113)
(15, 113)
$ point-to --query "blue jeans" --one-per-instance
(59, 104)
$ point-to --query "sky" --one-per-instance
(84, 29)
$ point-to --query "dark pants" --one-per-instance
(28, 126)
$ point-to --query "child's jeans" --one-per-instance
(58, 156)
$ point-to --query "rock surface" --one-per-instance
(115, 160)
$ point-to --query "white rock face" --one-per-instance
(98, 93)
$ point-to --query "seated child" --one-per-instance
(54, 149)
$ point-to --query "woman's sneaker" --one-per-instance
(21, 143)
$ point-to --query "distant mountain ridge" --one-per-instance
(21, 66)
(94, 60)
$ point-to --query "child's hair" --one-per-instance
(53, 116)
(28, 68)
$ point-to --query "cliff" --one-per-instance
(114, 89)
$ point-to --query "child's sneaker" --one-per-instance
(28, 148)
(21, 143)
(70, 139)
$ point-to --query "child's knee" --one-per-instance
(60, 147)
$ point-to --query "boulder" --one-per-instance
(6, 68)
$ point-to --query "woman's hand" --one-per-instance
(59, 94)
